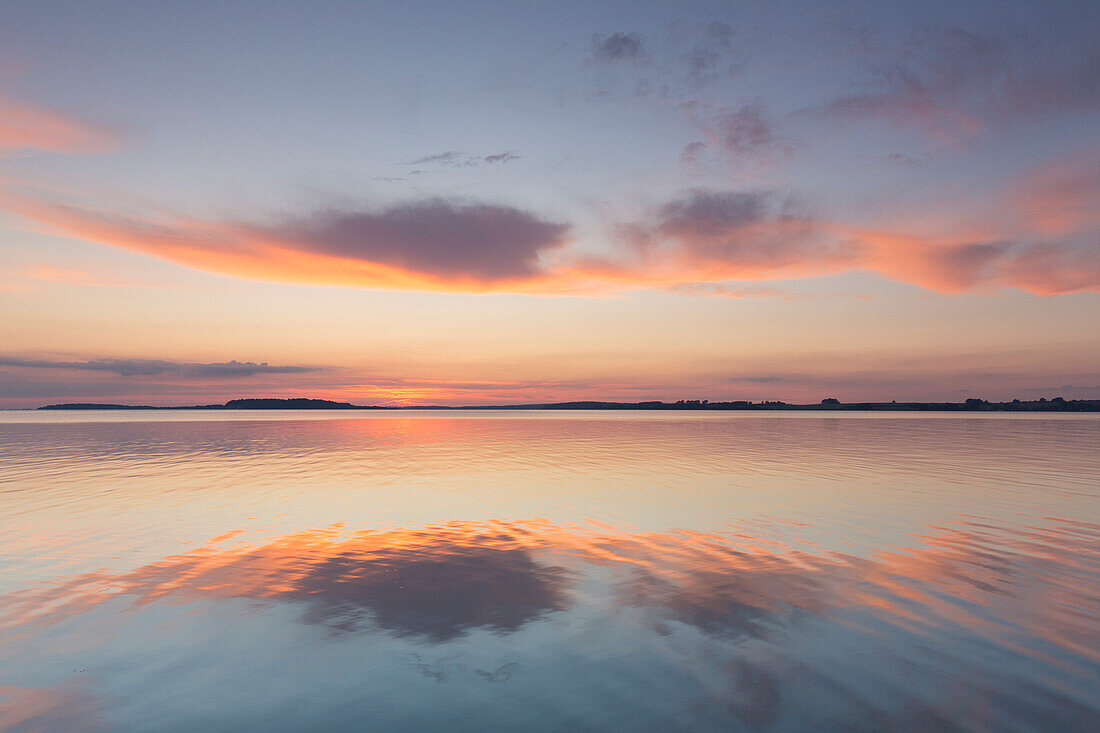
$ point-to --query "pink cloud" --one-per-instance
(1061, 197)
(27, 127)
(954, 84)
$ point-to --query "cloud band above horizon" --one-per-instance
(702, 236)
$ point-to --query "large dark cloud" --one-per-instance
(157, 367)
(436, 237)
(433, 243)
(755, 229)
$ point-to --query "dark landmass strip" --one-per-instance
(1057, 404)
(295, 403)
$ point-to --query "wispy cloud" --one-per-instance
(79, 278)
(745, 130)
(447, 156)
(955, 83)
(506, 157)
(713, 53)
(158, 367)
(618, 47)
(25, 126)
(459, 159)
(1062, 196)
(726, 290)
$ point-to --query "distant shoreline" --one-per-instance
(971, 405)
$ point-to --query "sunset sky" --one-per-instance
(482, 203)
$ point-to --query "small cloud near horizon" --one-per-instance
(159, 367)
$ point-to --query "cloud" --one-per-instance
(458, 159)
(425, 245)
(725, 290)
(689, 156)
(79, 278)
(710, 56)
(1041, 267)
(744, 130)
(618, 47)
(1061, 196)
(1041, 235)
(506, 157)
(954, 83)
(447, 156)
(157, 367)
(436, 237)
(694, 242)
(743, 235)
(27, 127)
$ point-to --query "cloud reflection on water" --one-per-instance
(971, 606)
(439, 580)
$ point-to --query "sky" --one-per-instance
(492, 203)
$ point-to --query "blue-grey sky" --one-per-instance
(723, 173)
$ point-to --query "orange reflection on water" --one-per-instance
(438, 581)
(64, 707)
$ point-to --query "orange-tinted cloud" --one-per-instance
(715, 236)
(433, 245)
(951, 266)
(702, 236)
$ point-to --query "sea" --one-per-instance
(549, 571)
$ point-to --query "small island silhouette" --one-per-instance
(1057, 404)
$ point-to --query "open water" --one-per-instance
(549, 571)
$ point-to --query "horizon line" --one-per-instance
(829, 403)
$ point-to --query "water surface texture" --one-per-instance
(549, 571)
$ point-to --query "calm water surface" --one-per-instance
(549, 571)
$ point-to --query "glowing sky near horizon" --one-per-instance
(473, 203)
